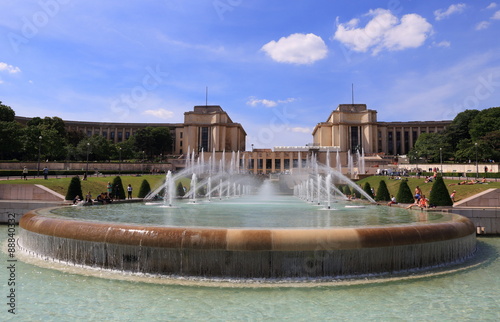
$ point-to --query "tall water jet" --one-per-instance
(338, 164)
(209, 188)
(170, 188)
(328, 184)
(318, 179)
(193, 187)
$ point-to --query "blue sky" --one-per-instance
(277, 67)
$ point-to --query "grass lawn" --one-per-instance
(96, 185)
(463, 191)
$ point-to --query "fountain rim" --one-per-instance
(246, 239)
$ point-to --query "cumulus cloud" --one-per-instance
(160, 113)
(491, 5)
(452, 9)
(296, 49)
(496, 15)
(268, 103)
(4, 67)
(384, 31)
(482, 25)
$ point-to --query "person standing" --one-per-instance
(25, 173)
(129, 191)
(45, 173)
(110, 190)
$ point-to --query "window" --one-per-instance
(180, 135)
(127, 135)
(286, 164)
(120, 136)
(89, 133)
(112, 136)
(277, 164)
(204, 139)
(269, 164)
(105, 134)
(180, 143)
(390, 143)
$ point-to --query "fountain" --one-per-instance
(265, 235)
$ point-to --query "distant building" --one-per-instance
(349, 128)
(206, 127)
(353, 126)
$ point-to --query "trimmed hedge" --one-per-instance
(368, 189)
(74, 189)
(439, 194)
(144, 189)
(382, 192)
(404, 193)
(118, 191)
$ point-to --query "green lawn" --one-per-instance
(463, 191)
(95, 185)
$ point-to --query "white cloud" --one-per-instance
(443, 43)
(296, 49)
(491, 5)
(452, 9)
(496, 15)
(384, 31)
(299, 129)
(9, 68)
(159, 113)
(268, 103)
(482, 25)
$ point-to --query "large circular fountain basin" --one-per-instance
(249, 252)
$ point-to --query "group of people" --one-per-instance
(420, 200)
(45, 172)
(104, 197)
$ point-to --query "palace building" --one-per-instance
(349, 129)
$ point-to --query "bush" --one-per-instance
(346, 190)
(382, 192)
(404, 193)
(118, 191)
(439, 194)
(74, 189)
(144, 189)
(368, 189)
(180, 190)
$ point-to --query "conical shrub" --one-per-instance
(404, 193)
(118, 191)
(74, 189)
(368, 189)
(180, 190)
(440, 195)
(382, 192)
(144, 189)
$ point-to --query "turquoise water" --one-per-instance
(252, 211)
(472, 293)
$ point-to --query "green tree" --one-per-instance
(7, 114)
(144, 189)
(439, 194)
(74, 189)
(382, 192)
(428, 147)
(118, 191)
(346, 190)
(153, 140)
(98, 148)
(459, 127)
(10, 133)
(486, 121)
(404, 193)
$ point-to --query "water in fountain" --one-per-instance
(245, 238)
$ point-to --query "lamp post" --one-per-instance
(416, 162)
(441, 159)
(39, 149)
(252, 147)
(477, 166)
(120, 163)
(87, 169)
(143, 160)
